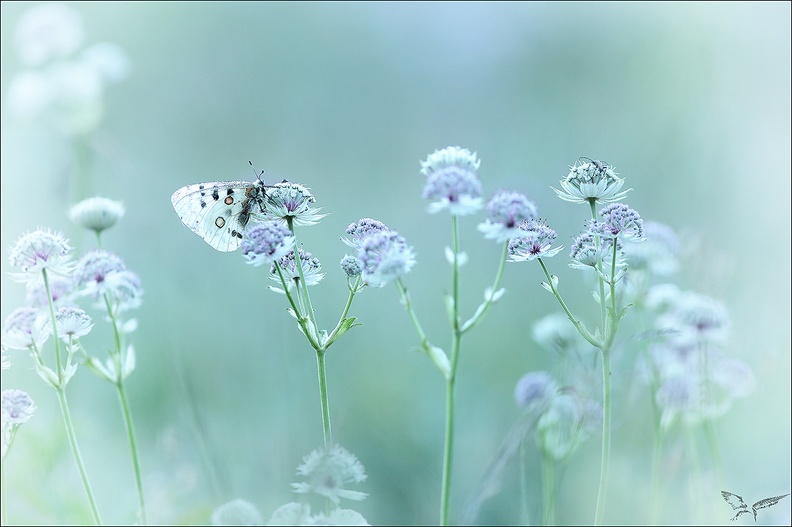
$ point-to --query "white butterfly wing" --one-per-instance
(212, 211)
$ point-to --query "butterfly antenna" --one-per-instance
(257, 174)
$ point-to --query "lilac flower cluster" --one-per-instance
(382, 254)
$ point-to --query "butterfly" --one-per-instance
(219, 211)
(739, 505)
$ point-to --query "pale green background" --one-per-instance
(689, 101)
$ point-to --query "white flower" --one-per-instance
(591, 181)
(17, 407)
(451, 181)
(39, 250)
(97, 213)
(46, 31)
(327, 471)
(72, 323)
(292, 201)
(25, 328)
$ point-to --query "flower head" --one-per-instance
(39, 250)
(696, 317)
(351, 266)
(25, 328)
(568, 422)
(555, 333)
(17, 407)
(327, 471)
(620, 221)
(292, 201)
(505, 212)
(266, 242)
(362, 229)
(47, 31)
(535, 390)
(586, 255)
(60, 288)
(385, 256)
(97, 213)
(101, 273)
(593, 181)
(72, 323)
(658, 255)
(534, 241)
(311, 267)
(452, 182)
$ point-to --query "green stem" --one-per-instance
(456, 335)
(54, 325)
(320, 365)
(606, 436)
(405, 297)
(133, 449)
(119, 383)
(575, 322)
(76, 453)
(467, 326)
(524, 480)
(656, 502)
(548, 490)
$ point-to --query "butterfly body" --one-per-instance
(219, 211)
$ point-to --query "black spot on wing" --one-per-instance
(215, 194)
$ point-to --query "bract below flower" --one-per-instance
(292, 201)
(594, 181)
(311, 268)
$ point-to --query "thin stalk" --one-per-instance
(320, 366)
(606, 437)
(76, 453)
(119, 384)
(524, 480)
(548, 490)
(3, 491)
(456, 335)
